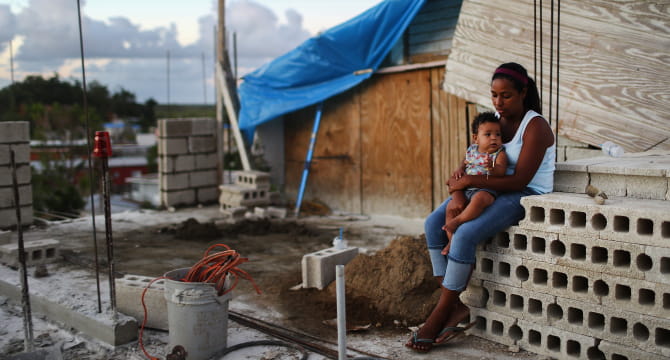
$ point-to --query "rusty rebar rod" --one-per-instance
(23, 271)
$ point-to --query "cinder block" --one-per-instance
(7, 196)
(171, 182)
(657, 261)
(499, 268)
(564, 141)
(172, 146)
(174, 127)
(252, 179)
(553, 342)
(37, 252)
(560, 153)
(276, 212)
(528, 244)
(570, 181)
(639, 296)
(559, 280)
(603, 256)
(8, 217)
(23, 175)
(14, 131)
(203, 126)
(129, 300)
(177, 198)
(184, 163)
(611, 184)
(201, 144)
(318, 268)
(21, 153)
(235, 196)
(5, 237)
(206, 161)
(207, 195)
(646, 187)
(620, 352)
(495, 327)
(203, 178)
(520, 303)
(620, 219)
(623, 327)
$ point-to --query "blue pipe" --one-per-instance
(308, 160)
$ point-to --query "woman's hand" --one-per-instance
(460, 183)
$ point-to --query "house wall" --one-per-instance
(614, 69)
(383, 147)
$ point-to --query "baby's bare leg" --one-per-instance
(480, 201)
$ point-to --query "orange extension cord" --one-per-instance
(213, 269)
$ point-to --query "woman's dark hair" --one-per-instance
(517, 74)
(482, 118)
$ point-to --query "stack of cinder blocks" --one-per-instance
(15, 135)
(187, 161)
(578, 280)
(249, 188)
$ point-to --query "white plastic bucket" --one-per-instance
(197, 317)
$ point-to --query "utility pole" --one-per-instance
(220, 45)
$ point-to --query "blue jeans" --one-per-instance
(505, 211)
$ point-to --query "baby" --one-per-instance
(486, 156)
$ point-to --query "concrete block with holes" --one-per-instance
(494, 326)
(524, 243)
(37, 252)
(129, 300)
(318, 268)
(628, 328)
(5, 237)
(519, 303)
(617, 351)
(252, 179)
(620, 219)
(500, 268)
(654, 263)
(553, 342)
(236, 196)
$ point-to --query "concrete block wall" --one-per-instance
(187, 161)
(577, 280)
(15, 135)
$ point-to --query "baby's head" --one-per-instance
(486, 132)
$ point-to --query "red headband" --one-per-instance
(515, 74)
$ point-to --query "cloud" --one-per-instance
(136, 57)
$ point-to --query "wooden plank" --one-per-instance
(334, 177)
(438, 124)
(395, 144)
(615, 67)
(229, 94)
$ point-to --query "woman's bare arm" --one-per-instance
(536, 139)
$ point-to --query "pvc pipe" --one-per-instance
(341, 313)
(308, 160)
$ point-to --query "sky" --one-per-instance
(127, 42)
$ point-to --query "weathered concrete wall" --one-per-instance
(187, 161)
(15, 136)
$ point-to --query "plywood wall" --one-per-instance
(614, 64)
(384, 147)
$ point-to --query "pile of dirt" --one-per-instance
(394, 284)
(256, 227)
(192, 229)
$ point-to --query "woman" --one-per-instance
(529, 143)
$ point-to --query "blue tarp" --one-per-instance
(324, 65)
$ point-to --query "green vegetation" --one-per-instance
(54, 107)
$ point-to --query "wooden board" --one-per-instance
(334, 178)
(614, 65)
(396, 144)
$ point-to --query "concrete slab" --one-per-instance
(104, 327)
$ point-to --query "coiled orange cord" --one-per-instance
(213, 269)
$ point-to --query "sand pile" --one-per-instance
(394, 284)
